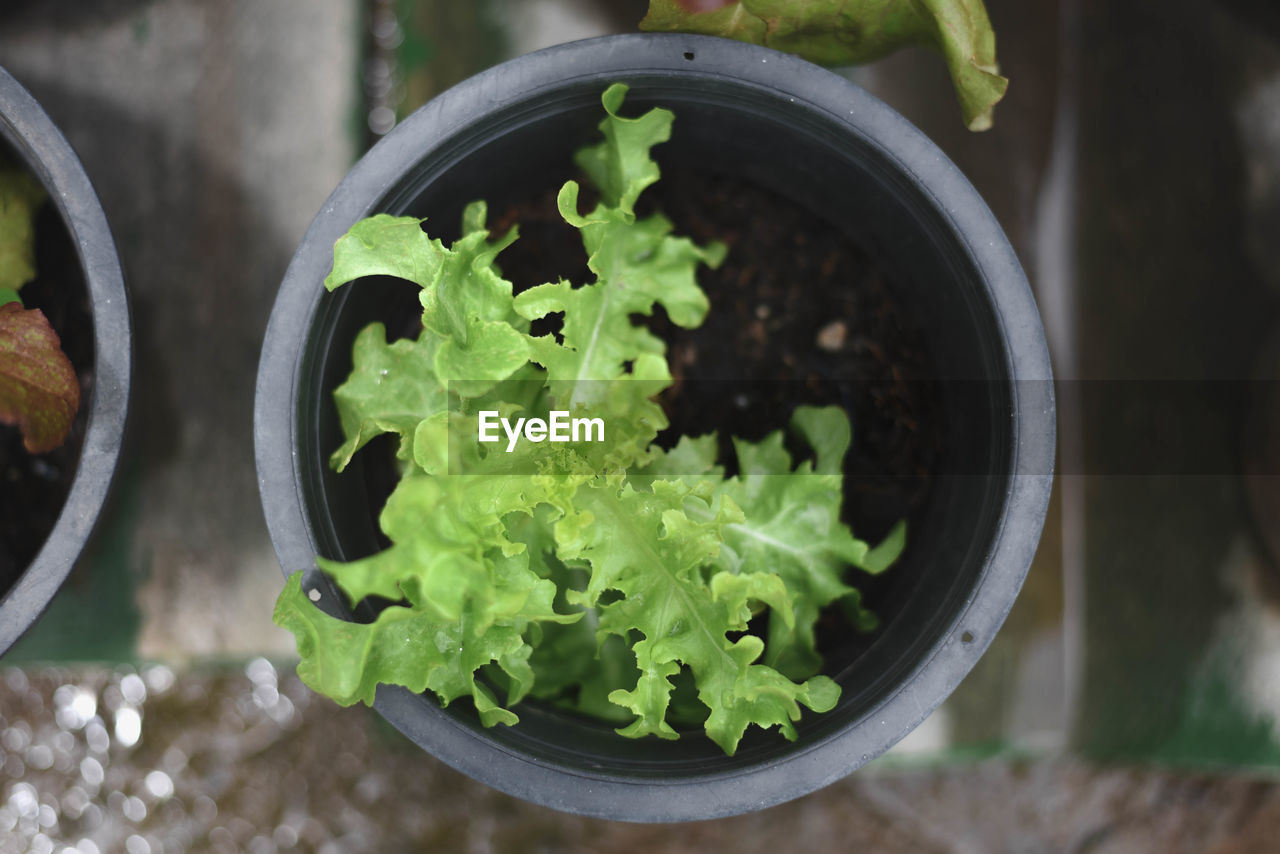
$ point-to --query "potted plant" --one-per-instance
(760, 118)
(55, 490)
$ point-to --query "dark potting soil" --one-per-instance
(33, 487)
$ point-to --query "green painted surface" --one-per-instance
(95, 616)
(445, 43)
(1217, 727)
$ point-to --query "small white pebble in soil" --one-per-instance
(313, 595)
(831, 337)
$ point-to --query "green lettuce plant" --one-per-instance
(612, 576)
(39, 391)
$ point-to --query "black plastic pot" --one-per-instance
(812, 136)
(41, 147)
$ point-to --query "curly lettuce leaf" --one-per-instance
(791, 524)
(840, 32)
(645, 546)
(620, 166)
(391, 389)
(466, 304)
(408, 646)
(637, 264)
(470, 310)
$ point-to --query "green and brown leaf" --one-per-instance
(39, 391)
(850, 32)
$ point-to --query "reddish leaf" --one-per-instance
(39, 391)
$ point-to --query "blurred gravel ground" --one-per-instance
(148, 761)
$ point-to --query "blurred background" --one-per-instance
(1129, 704)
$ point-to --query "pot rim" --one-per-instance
(47, 154)
(1033, 421)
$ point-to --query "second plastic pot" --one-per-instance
(38, 145)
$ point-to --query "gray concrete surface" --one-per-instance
(213, 132)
